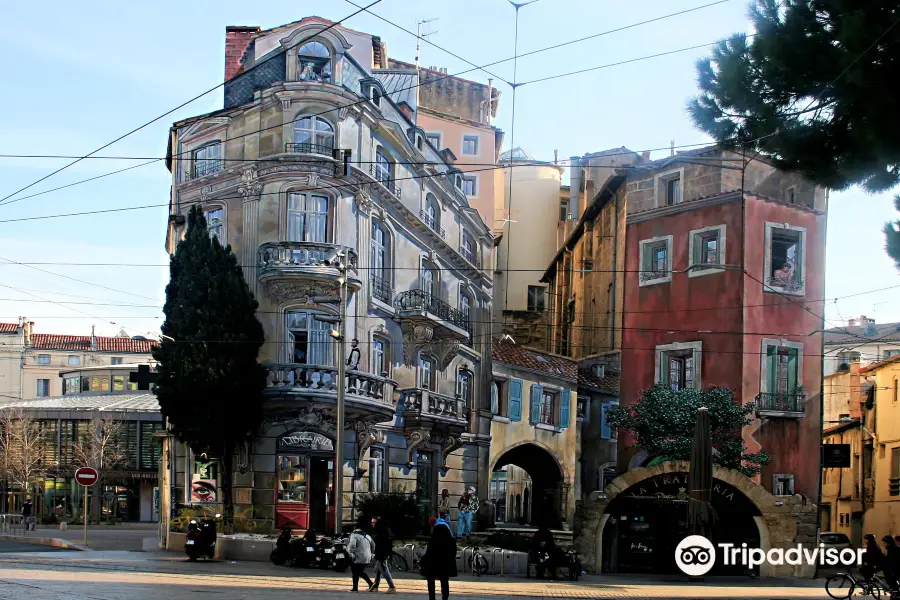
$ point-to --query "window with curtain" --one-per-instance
(313, 134)
(215, 223)
(308, 340)
(308, 217)
(548, 402)
(384, 167)
(427, 369)
(681, 370)
(429, 279)
(380, 357)
(380, 249)
(782, 370)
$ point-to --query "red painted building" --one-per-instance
(725, 289)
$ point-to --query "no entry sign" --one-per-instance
(86, 476)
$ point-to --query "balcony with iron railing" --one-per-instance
(205, 166)
(308, 148)
(419, 306)
(388, 183)
(423, 406)
(381, 289)
(366, 396)
(312, 260)
(469, 255)
(781, 404)
(432, 224)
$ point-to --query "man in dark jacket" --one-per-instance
(542, 544)
(439, 562)
(872, 559)
(384, 547)
(26, 514)
(891, 564)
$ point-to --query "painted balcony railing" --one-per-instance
(431, 404)
(652, 275)
(468, 254)
(205, 166)
(421, 300)
(381, 289)
(307, 148)
(781, 403)
(785, 284)
(285, 255)
(387, 182)
(430, 221)
(298, 377)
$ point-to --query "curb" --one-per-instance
(44, 541)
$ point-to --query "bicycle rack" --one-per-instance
(409, 553)
(465, 563)
(494, 560)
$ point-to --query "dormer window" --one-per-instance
(314, 62)
(376, 96)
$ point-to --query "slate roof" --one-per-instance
(608, 383)
(8, 328)
(534, 360)
(82, 343)
(884, 332)
(140, 402)
(399, 85)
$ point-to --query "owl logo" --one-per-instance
(682, 494)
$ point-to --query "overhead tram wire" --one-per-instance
(155, 119)
(6, 200)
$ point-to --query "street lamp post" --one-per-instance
(339, 436)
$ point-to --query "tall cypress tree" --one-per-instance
(892, 236)
(209, 383)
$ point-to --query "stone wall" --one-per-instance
(785, 520)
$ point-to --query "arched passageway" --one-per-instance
(545, 499)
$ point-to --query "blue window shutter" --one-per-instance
(605, 433)
(515, 399)
(564, 409)
(534, 415)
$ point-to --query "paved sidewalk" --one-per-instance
(133, 576)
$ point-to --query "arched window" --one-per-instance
(467, 247)
(308, 339)
(308, 218)
(207, 159)
(431, 214)
(314, 62)
(215, 223)
(384, 167)
(381, 260)
(381, 362)
(464, 386)
(465, 304)
(427, 373)
(429, 279)
(313, 134)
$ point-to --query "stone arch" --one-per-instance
(549, 481)
(566, 477)
(782, 522)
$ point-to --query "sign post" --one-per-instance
(86, 477)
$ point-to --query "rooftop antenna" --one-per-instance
(419, 37)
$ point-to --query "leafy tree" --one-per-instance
(892, 236)
(209, 383)
(662, 423)
(817, 72)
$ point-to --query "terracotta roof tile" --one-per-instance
(8, 328)
(608, 383)
(535, 360)
(82, 343)
(880, 363)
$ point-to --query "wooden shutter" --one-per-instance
(793, 374)
(515, 399)
(772, 362)
(534, 415)
(564, 409)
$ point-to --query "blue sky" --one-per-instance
(79, 75)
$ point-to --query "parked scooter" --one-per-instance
(200, 540)
(324, 554)
(304, 550)
(341, 560)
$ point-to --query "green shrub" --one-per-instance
(508, 541)
(398, 509)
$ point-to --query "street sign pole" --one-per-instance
(84, 514)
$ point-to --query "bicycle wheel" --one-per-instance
(840, 586)
(398, 561)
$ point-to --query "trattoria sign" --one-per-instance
(674, 486)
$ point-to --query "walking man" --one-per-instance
(27, 515)
(383, 549)
(468, 506)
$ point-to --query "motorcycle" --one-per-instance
(341, 559)
(324, 558)
(200, 540)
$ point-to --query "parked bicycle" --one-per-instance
(478, 562)
(845, 585)
(398, 561)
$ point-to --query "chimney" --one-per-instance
(645, 155)
(864, 320)
(851, 322)
(93, 339)
(237, 40)
(556, 157)
(27, 329)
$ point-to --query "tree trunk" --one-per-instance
(227, 463)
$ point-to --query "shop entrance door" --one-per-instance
(321, 475)
(424, 487)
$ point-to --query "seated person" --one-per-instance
(544, 552)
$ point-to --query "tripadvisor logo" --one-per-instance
(695, 555)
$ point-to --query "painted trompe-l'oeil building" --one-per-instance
(312, 157)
